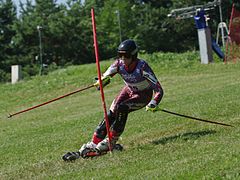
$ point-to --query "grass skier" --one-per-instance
(141, 89)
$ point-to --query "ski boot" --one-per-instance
(87, 151)
(71, 156)
(103, 146)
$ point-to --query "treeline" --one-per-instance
(65, 30)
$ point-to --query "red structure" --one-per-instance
(233, 43)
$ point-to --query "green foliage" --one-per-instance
(157, 145)
(236, 4)
(4, 76)
(67, 37)
(7, 19)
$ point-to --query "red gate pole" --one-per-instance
(99, 77)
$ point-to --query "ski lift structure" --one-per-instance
(206, 42)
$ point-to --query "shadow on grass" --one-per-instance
(184, 136)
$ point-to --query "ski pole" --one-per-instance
(194, 118)
(60, 97)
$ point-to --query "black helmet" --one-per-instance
(128, 47)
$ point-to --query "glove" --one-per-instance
(105, 81)
(152, 106)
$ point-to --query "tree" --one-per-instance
(7, 19)
(27, 38)
(67, 30)
(78, 46)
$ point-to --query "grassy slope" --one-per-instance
(157, 145)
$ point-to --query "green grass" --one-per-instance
(157, 145)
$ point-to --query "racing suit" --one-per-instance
(140, 86)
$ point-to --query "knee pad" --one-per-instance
(120, 118)
(101, 130)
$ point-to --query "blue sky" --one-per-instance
(17, 2)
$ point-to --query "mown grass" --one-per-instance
(157, 145)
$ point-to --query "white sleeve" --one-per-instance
(150, 77)
(112, 70)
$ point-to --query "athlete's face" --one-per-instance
(127, 59)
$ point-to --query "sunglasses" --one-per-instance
(125, 55)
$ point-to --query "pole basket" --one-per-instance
(233, 41)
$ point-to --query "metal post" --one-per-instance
(39, 28)
(204, 37)
(119, 25)
(221, 19)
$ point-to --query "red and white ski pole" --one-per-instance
(99, 78)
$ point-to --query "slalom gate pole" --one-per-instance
(45, 103)
(194, 118)
(99, 78)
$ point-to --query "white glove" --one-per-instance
(152, 106)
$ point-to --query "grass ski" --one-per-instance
(72, 156)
